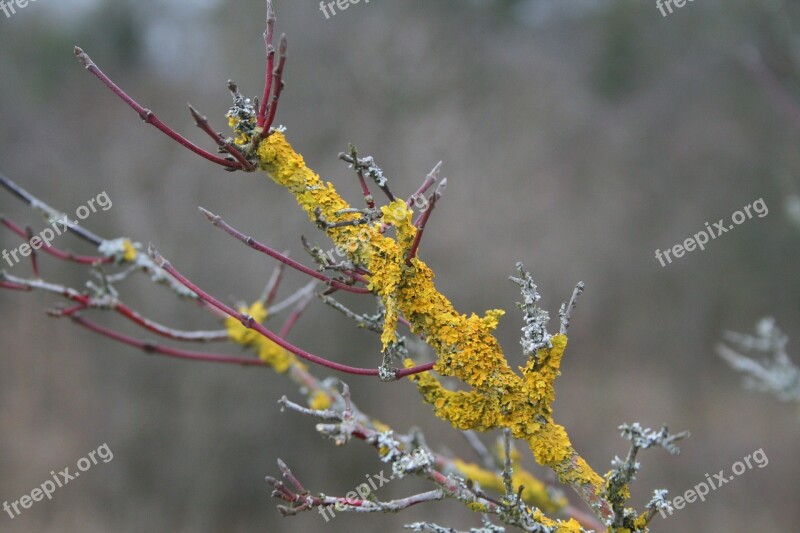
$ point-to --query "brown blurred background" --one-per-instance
(577, 136)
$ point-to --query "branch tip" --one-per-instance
(156, 257)
(209, 215)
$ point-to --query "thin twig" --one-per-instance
(368, 164)
(430, 179)
(423, 219)
(480, 449)
(270, 51)
(149, 347)
(566, 309)
(148, 116)
(56, 252)
(271, 289)
(107, 302)
(49, 212)
(368, 198)
(34, 255)
(248, 322)
(293, 298)
(278, 85)
(294, 316)
(202, 122)
(255, 245)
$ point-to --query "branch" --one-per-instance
(148, 116)
(248, 322)
(262, 111)
(277, 88)
(149, 347)
(255, 245)
(202, 123)
(423, 220)
(56, 252)
(48, 212)
(774, 372)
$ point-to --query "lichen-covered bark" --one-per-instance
(465, 346)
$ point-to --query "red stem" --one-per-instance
(202, 123)
(34, 255)
(61, 254)
(248, 322)
(423, 219)
(166, 350)
(271, 291)
(277, 87)
(10, 285)
(294, 316)
(430, 179)
(255, 245)
(148, 116)
(262, 111)
(365, 189)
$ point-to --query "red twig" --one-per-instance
(248, 322)
(148, 116)
(271, 290)
(202, 123)
(66, 312)
(166, 350)
(86, 302)
(34, 255)
(60, 254)
(430, 179)
(294, 316)
(262, 110)
(255, 245)
(423, 219)
(368, 198)
(10, 285)
(290, 477)
(277, 87)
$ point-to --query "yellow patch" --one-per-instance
(465, 347)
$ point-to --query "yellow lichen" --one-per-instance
(320, 400)
(535, 492)
(465, 347)
(380, 426)
(240, 334)
(269, 352)
(477, 507)
(129, 252)
(641, 523)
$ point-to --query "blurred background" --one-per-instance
(577, 136)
